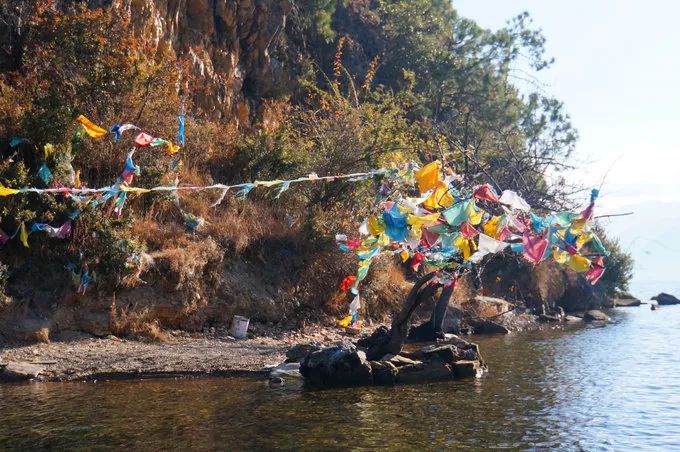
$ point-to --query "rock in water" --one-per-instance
(595, 316)
(20, 371)
(467, 369)
(666, 299)
(421, 372)
(384, 372)
(342, 365)
(572, 318)
(286, 370)
(485, 326)
(655, 307)
(625, 299)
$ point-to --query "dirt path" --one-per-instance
(213, 353)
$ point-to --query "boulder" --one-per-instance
(454, 340)
(545, 318)
(467, 369)
(665, 299)
(341, 365)
(398, 360)
(296, 353)
(484, 326)
(595, 316)
(625, 299)
(430, 371)
(443, 353)
(19, 371)
(384, 372)
(572, 318)
(626, 303)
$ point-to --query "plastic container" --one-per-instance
(239, 327)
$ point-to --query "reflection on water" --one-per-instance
(589, 388)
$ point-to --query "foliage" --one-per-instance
(619, 265)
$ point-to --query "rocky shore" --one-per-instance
(214, 352)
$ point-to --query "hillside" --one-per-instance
(270, 90)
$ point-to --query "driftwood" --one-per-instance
(392, 342)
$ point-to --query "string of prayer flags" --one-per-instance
(446, 229)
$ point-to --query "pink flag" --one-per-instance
(429, 237)
(596, 270)
(534, 248)
(143, 140)
(468, 230)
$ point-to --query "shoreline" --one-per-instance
(212, 353)
(184, 355)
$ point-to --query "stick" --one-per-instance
(615, 215)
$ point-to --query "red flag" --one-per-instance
(485, 193)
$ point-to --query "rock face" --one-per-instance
(595, 316)
(666, 299)
(239, 49)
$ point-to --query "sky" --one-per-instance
(617, 67)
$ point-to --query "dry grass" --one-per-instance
(137, 325)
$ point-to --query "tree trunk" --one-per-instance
(401, 323)
(430, 330)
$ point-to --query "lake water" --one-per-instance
(610, 388)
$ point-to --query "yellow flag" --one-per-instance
(403, 255)
(579, 263)
(416, 232)
(577, 225)
(491, 227)
(583, 239)
(560, 256)
(23, 235)
(440, 198)
(267, 183)
(374, 227)
(48, 150)
(474, 215)
(345, 321)
(134, 189)
(172, 148)
(428, 176)
(4, 191)
(91, 128)
(465, 246)
(422, 220)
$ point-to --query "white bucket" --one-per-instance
(239, 327)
